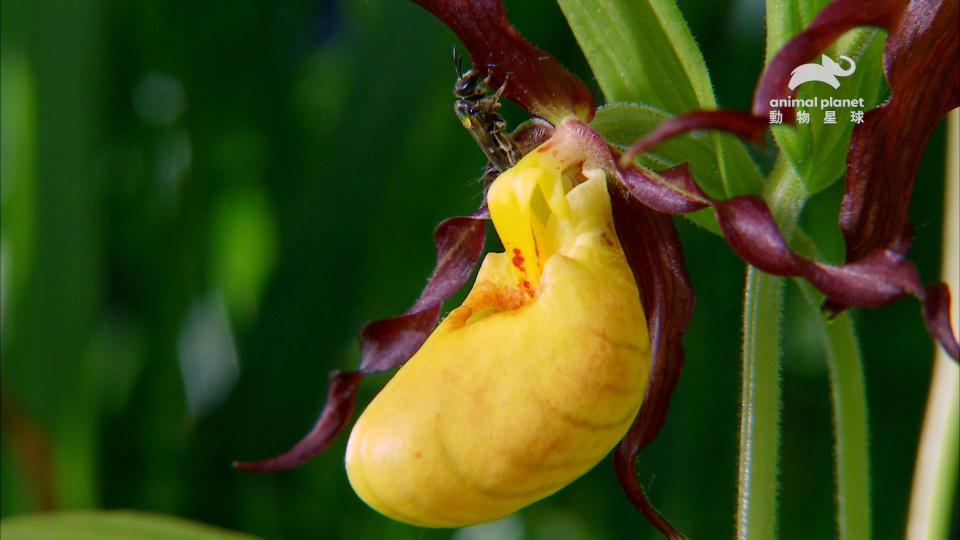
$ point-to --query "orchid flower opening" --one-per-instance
(534, 378)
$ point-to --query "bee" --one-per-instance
(477, 112)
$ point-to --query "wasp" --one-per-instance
(477, 112)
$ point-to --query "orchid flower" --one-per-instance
(568, 344)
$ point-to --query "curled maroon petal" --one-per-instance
(936, 315)
(336, 413)
(832, 21)
(742, 124)
(387, 343)
(922, 62)
(882, 276)
(881, 163)
(671, 191)
(531, 77)
(751, 231)
(652, 247)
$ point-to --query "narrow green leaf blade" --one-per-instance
(786, 18)
(643, 52)
(112, 525)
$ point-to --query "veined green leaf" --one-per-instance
(817, 150)
(786, 18)
(112, 525)
(643, 52)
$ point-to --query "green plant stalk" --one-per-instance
(935, 477)
(760, 399)
(760, 404)
(849, 407)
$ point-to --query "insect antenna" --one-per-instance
(457, 62)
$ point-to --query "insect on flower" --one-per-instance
(569, 340)
(478, 113)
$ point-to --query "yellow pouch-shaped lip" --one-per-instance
(532, 380)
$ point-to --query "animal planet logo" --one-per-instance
(826, 71)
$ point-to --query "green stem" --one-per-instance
(932, 499)
(760, 405)
(760, 400)
(935, 478)
(849, 405)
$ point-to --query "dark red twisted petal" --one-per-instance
(922, 64)
(744, 125)
(880, 277)
(751, 231)
(830, 23)
(674, 194)
(534, 79)
(921, 61)
(652, 247)
(936, 315)
(336, 413)
(387, 343)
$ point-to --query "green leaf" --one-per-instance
(817, 151)
(786, 18)
(118, 525)
(643, 52)
(737, 170)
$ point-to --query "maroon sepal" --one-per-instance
(671, 191)
(936, 315)
(922, 63)
(882, 276)
(652, 247)
(336, 413)
(744, 125)
(534, 79)
(387, 343)
(880, 173)
(830, 23)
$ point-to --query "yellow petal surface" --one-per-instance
(531, 381)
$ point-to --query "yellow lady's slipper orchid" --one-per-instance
(531, 381)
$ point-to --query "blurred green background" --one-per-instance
(203, 201)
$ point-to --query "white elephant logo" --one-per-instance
(827, 71)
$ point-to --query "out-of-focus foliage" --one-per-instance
(110, 525)
(202, 203)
